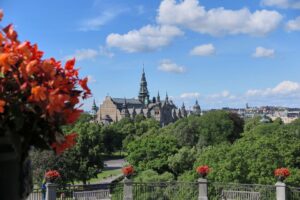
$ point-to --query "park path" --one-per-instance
(110, 165)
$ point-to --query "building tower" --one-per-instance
(158, 98)
(94, 110)
(196, 109)
(183, 110)
(144, 94)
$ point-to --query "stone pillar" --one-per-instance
(203, 192)
(51, 191)
(127, 195)
(280, 191)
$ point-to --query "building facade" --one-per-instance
(165, 111)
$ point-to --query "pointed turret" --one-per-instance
(167, 98)
(124, 111)
(143, 94)
(183, 110)
(158, 97)
(133, 114)
(94, 108)
(174, 115)
(179, 113)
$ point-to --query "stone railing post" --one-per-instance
(280, 191)
(51, 191)
(127, 195)
(203, 192)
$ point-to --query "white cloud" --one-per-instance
(83, 54)
(89, 54)
(293, 25)
(104, 51)
(190, 95)
(222, 95)
(261, 52)
(282, 3)
(169, 66)
(104, 18)
(283, 88)
(217, 21)
(148, 38)
(203, 50)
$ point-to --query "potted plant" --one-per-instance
(52, 176)
(203, 171)
(37, 97)
(281, 174)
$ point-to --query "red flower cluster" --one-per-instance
(203, 170)
(52, 175)
(37, 95)
(69, 141)
(282, 172)
(127, 171)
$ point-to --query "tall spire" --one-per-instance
(143, 94)
(167, 98)
(94, 108)
(158, 97)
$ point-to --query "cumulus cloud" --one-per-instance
(217, 21)
(190, 95)
(169, 66)
(293, 25)
(285, 93)
(203, 50)
(261, 52)
(89, 54)
(222, 95)
(83, 54)
(148, 38)
(283, 88)
(282, 3)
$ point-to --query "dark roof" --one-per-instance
(130, 102)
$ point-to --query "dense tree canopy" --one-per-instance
(253, 158)
(152, 152)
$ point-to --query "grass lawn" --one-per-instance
(105, 174)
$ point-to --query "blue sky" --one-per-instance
(223, 53)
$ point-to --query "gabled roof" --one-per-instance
(130, 102)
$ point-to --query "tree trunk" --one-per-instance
(9, 170)
(15, 169)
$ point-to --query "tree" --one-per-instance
(86, 155)
(182, 161)
(152, 152)
(254, 157)
(153, 177)
(186, 131)
(218, 126)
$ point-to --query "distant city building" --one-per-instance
(165, 111)
(287, 115)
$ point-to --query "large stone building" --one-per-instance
(114, 109)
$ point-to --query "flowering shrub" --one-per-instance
(37, 95)
(203, 170)
(52, 175)
(128, 170)
(282, 173)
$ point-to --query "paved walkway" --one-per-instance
(110, 165)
